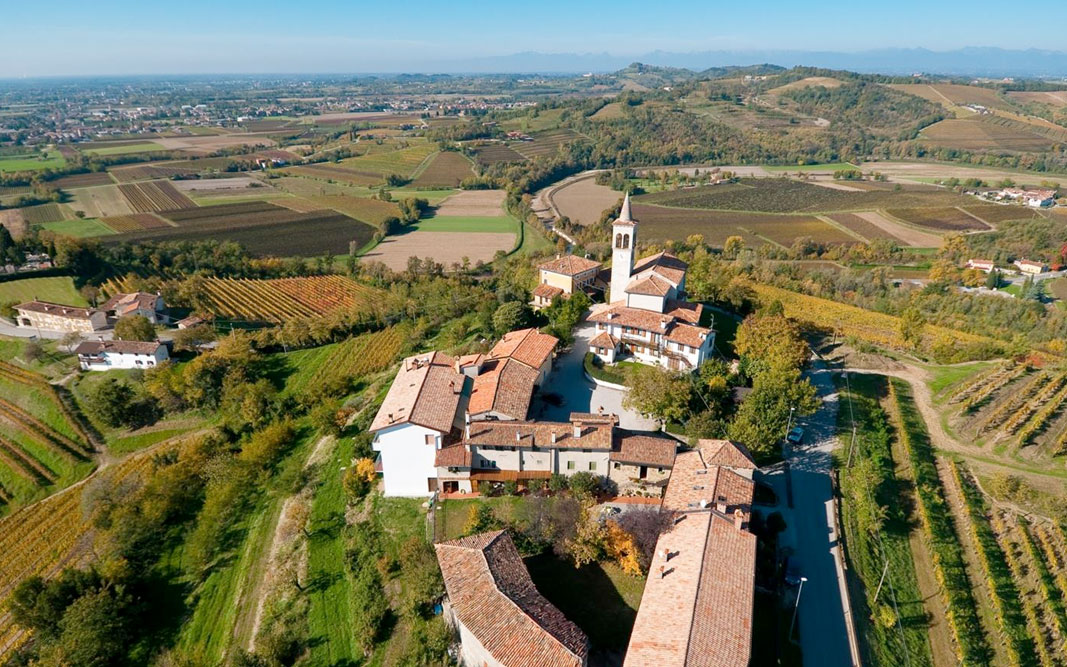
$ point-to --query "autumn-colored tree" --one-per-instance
(620, 546)
(658, 392)
(768, 340)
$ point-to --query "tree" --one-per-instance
(657, 392)
(93, 631)
(480, 518)
(621, 547)
(992, 281)
(912, 324)
(192, 338)
(733, 247)
(32, 351)
(134, 327)
(115, 402)
(359, 478)
(583, 484)
(761, 420)
(510, 316)
(766, 340)
(71, 340)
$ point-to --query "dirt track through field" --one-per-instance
(583, 201)
(912, 237)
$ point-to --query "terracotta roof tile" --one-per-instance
(127, 303)
(453, 456)
(539, 434)
(494, 598)
(649, 320)
(504, 386)
(93, 347)
(57, 309)
(546, 291)
(688, 334)
(664, 264)
(651, 285)
(426, 391)
(569, 265)
(604, 339)
(644, 449)
(528, 346)
(726, 453)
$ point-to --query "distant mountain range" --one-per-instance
(970, 61)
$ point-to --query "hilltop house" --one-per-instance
(110, 354)
(1031, 198)
(697, 606)
(1030, 267)
(522, 451)
(563, 276)
(57, 317)
(146, 305)
(494, 607)
(647, 318)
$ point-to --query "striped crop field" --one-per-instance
(283, 299)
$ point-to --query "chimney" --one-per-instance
(662, 571)
(721, 506)
(577, 429)
(467, 425)
(739, 518)
(554, 437)
(518, 436)
(703, 504)
(457, 365)
(600, 410)
(666, 553)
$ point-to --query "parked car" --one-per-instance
(796, 436)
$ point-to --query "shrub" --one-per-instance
(557, 483)
(583, 484)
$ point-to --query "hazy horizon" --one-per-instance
(121, 37)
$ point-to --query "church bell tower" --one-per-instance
(623, 240)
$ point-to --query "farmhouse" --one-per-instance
(529, 347)
(112, 354)
(697, 606)
(1030, 267)
(1031, 198)
(647, 318)
(563, 276)
(137, 303)
(986, 265)
(57, 317)
(523, 451)
(494, 607)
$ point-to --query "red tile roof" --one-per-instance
(453, 456)
(604, 339)
(494, 598)
(539, 434)
(504, 386)
(697, 605)
(127, 303)
(726, 453)
(664, 264)
(651, 285)
(528, 346)
(569, 265)
(546, 291)
(57, 309)
(644, 449)
(688, 334)
(426, 392)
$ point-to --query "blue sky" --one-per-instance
(59, 37)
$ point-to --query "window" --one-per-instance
(592, 465)
(570, 465)
(618, 466)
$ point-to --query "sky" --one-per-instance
(104, 37)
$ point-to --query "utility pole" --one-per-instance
(881, 581)
(796, 606)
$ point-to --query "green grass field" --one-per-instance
(433, 196)
(52, 160)
(146, 147)
(57, 289)
(78, 228)
(329, 613)
(504, 224)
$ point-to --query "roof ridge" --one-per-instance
(696, 589)
(496, 585)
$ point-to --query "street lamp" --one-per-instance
(789, 424)
(796, 606)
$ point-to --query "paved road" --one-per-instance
(811, 531)
(579, 394)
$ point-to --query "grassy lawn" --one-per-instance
(943, 377)
(330, 614)
(725, 328)
(533, 240)
(599, 598)
(504, 224)
(145, 147)
(52, 160)
(78, 228)
(141, 439)
(452, 515)
(434, 197)
(599, 371)
(57, 289)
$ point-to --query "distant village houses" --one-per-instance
(1030, 267)
(1031, 198)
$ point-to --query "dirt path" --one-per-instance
(975, 573)
(289, 522)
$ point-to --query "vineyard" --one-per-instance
(878, 329)
(1012, 406)
(154, 196)
(447, 168)
(354, 358)
(282, 299)
(43, 538)
(946, 218)
(42, 442)
(146, 172)
(43, 213)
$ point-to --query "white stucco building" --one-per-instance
(648, 319)
(57, 317)
(108, 355)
